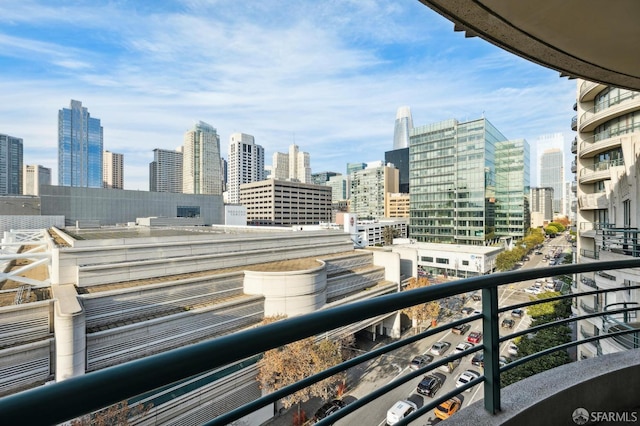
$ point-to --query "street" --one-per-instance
(391, 366)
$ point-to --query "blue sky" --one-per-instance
(326, 75)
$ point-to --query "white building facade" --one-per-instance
(245, 164)
(201, 163)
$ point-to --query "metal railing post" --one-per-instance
(491, 349)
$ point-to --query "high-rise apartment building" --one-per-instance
(541, 206)
(33, 176)
(403, 126)
(280, 166)
(246, 164)
(10, 165)
(369, 190)
(80, 147)
(293, 166)
(112, 170)
(452, 181)
(607, 141)
(165, 171)
(512, 188)
(396, 205)
(552, 176)
(201, 161)
(299, 165)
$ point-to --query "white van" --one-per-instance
(399, 411)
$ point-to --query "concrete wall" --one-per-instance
(289, 293)
(113, 206)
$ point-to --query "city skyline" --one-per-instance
(328, 77)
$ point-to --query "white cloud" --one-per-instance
(327, 75)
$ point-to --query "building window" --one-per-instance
(442, 261)
(465, 263)
(188, 211)
(427, 259)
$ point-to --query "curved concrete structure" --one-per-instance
(589, 39)
(289, 292)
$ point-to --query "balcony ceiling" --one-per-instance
(591, 39)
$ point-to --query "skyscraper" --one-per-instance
(80, 142)
(552, 176)
(293, 166)
(299, 165)
(246, 163)
(10, 165)
(403, 126)
(165, 171)
(201, 163)
(112, 170)
(33, 176)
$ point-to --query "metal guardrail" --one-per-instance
(77, 396)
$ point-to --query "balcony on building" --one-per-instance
(574, 145)
(574, 123)
(574, 186)
(599, 171)
(589, 90)
(624, 104)
(574, 166)
(596, 144)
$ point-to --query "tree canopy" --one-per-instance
(295, 361)
(425, 311)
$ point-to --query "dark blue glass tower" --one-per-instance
(80, 144)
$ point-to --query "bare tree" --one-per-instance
(295, 361)
(117, 414)
(422, 312)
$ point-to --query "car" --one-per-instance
(476, 297)
(461, 329)
(439, 348)
(462, 346)
(508, 323)
(526, 258)
(327, 409)
(447, 408)
(538, 252)
(478, 359)
(399, 411)
(474, 337)
(420, 361)
(512, 349)
(517, 313)
(429, 385)
(503, 360)
(450, 366)
(467, 310)
(532, 290)
(466, 377)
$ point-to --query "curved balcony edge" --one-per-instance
(608, 383)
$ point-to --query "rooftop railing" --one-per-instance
(68, 399)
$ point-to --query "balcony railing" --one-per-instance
(589, 309)
(591, 254)
(619, 240)
(626, 320)
(574, 123)
(76, 396)
(574, 146)
(589, 282)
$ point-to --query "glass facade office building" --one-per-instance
(512, 188)
(10, 165)
(452, 181)
(80, 141)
